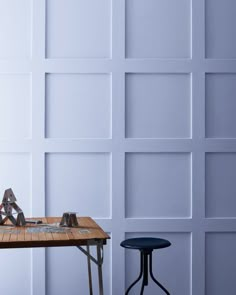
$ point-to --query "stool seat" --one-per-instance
(145, 243)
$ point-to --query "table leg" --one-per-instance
(89, 272)
(100, 261)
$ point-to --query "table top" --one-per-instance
(36, 235)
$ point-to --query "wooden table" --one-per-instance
(87, 234)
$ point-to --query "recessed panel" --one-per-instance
(66, 269)
(78, 106)
(15, 29)
(158, 105)
(78, 182)
(78, 29)
(171, 266)
(220, 263)
(15, 106)
(16, 272)
(220, 184)
(158, 185)
(220, 105)
(220, 29)
(158, 29)
(15, 173)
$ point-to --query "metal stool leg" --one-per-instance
(152, 276)
(139, 277)
(142, 289)
(145, 271)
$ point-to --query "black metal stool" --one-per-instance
(145, 246)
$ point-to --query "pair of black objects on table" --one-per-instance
(145, 246)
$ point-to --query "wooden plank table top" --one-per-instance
(18, 236)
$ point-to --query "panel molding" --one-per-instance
(119, 63)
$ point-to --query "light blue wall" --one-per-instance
(123, 110)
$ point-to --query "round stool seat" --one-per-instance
(145, 243)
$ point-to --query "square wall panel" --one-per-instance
(15, 29)
(167, 263)
(78, 182)
(78, 105)
(15, 106)
(78, 29)
(220, 29)
(61, 261)
(158, 105)
(16, 271)
(158, 185)
(220, 105)
(220, 263)
(220, 184)
(158, 29)
(15, 173)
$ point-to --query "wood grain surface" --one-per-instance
(18, 237)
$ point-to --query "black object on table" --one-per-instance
(145, 246)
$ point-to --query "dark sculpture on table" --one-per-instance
(9, 205)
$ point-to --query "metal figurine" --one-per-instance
(69, 219)
(9, 205)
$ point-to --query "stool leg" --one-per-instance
(152, 276)
(142, 289)
(139, 277)
(145, 271)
